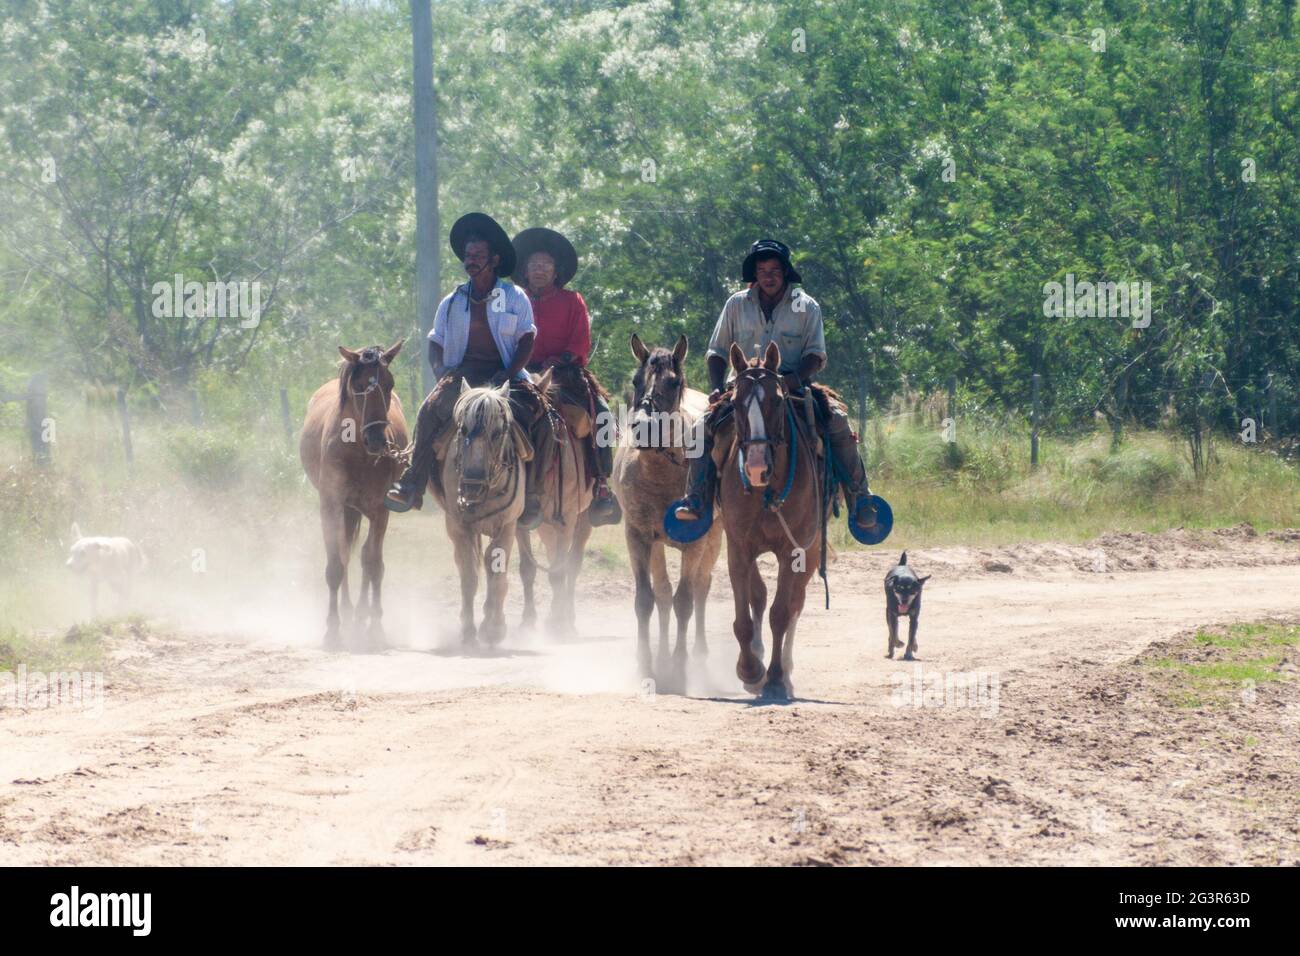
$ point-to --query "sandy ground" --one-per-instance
(234, 747)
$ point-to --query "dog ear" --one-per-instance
(639, 351)
(738, 360)
(772, 357)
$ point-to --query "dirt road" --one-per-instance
(241, 749)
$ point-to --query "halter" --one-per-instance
(647, 404)
(370, 356)
(769, 502)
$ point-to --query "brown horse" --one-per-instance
(351, 447)
(566, 496)
(649, 473)
(483, 474)
(767, 509)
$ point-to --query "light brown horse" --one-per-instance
(649, 474)
(565, 528)
(351, 447)
(767, 510)
(483, 474)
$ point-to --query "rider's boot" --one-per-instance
(408, 493)
(844, 446)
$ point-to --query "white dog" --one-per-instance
(111, 561)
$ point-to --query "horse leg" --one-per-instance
(700, 591)
(638, 552)
(528, 576)
(496, 565)
(663, 589)
(331, 523)
(351, 525)
(577, 551)
(791, 588)
(757, 605)
(466, 547)
(749, 667)
(558, 543)
(372, 570)
(684, 598)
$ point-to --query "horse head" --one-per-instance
(486, 444)
(760, 410)
(366, 385)
(657, 387)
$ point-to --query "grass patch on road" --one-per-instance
(1224, 666)
(81, 647)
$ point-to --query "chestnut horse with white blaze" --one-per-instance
(351, 448)
(771, 491)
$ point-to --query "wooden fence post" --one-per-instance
(37, 395)
(125, 415)
(1033, 438)
(284, 417)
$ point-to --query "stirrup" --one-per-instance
(400, 500)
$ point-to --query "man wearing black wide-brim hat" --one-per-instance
(771, 309)
(483, 334)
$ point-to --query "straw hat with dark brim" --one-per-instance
(480, 223)
(540, 239)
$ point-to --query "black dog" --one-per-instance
(903, 596)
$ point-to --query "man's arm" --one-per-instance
(717, 375)
(723, 335)
(578, 348)
(523, 351)
(435, 359)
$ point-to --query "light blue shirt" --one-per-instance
(509, 314)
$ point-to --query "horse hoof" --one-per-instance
(333, 639)
(775, 692)
(749, 676)
(908, 656)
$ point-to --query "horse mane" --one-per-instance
(479, 406)
(345, 374)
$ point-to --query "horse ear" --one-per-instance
(392, 351)
(680, 349)
(772, 357)
(638, 348)
(348, 354)
(464, 386)
(738, 360)
(504, 388)
(544, 380)
(923, 580)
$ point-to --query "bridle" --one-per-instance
(756, 374)
(647, 405)
(370, 357)
(472, 492)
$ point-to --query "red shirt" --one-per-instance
(563, 325)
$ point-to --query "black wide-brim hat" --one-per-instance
(480, 223)
(765, 248)
(540, 239)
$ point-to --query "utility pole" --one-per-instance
(424, 106)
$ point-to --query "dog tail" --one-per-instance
(903, 560)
